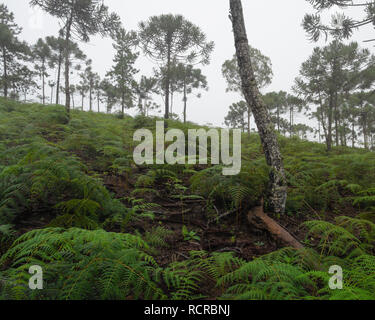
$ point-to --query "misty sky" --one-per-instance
(273, 26)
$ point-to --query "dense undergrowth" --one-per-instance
(57, 211)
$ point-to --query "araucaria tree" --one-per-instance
(278, 185)
(81, 18)
(328, 78)
(123, 71)
(169, 39)
(341, 25)
(13, 53)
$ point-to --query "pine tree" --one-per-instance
(237, 115)
(42, 54)
(123, 72)
(145, 88)
(13, 52)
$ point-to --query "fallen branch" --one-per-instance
(260, 220)
(220, 217)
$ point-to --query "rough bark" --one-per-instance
(257, 218)
(277, 191)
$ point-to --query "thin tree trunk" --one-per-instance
(43, 84)
(330, 118)
(185, 102)
(5, 76)
(337, 122)
(248, 121)
(319, 131)
(291, 121)
(278, 184)
(353, 135)
(98, 97)
(167, 84)
(90, 98)
(72, 95)
(67, 62)
(123, 104)
(58, 79)
(365, 135)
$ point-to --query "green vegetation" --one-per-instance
(73, 202)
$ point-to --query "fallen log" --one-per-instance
(261, 220)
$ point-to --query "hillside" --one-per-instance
(73, 201)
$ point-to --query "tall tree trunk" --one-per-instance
(330, 121)
(98, 97)
(185, 102)
(365, 135)
(278, 184)
(167, 83)
(249, 121)
(43, 83)
(337, 121)
(291, 121)
(90, 97)
(58, 79)
(172, 96)
(72, 95)
(67, 62)
(5, 76)
(353, 135)
(319, 129)
(123, 104)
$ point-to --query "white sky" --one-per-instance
(273, 26)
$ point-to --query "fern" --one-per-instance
(80, 264)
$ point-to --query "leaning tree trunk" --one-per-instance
(278, 186)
